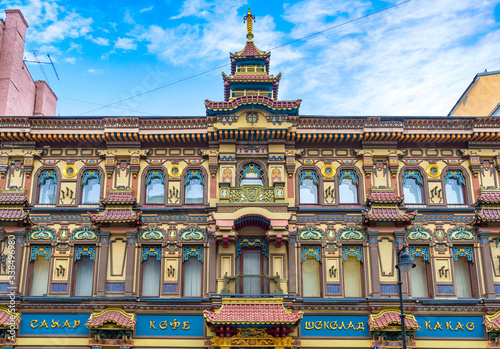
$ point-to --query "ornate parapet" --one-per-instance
(111, 327)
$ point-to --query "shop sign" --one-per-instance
(169, 325)
(54, 324)
(334, 326)
(450, 327)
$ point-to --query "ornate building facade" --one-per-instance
(252, 226)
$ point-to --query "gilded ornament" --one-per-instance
(70, 171)
(433, 171)
(328, 171)
(174, 171)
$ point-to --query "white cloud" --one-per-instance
(125, 44)
(95, 71)
(198, 8)
(99, 41)
(70, 60)
(146, 9)
(128, 18)
(74, 46)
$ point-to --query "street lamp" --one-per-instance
(404, 265)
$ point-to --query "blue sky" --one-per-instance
(414, 59)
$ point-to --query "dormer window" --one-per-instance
(251, 175)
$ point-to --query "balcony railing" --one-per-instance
(251, 284)
(252, 193)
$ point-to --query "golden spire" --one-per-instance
(249, 18)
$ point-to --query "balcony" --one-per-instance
(252, 193)
(249, 285)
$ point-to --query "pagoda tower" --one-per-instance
(250, 84)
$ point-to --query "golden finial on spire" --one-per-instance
(249, 18)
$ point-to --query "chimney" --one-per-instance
(45, 99)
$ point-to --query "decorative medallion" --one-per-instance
(227, 175)
(352, 234)
(41, 234)
(70, 171)
(85, 234)
(192, 234)
(174, 171)
(194, 161)
(440, 234)
(252, 117)
(330, 234)
(63, 233)
(151, 234)
(418, 234)
(462, 234)
(310, 234)
(224, 193)
(279, 193)
(433, 171)
(172, 233)
(328, 171)
(91, 161)
(308, 162)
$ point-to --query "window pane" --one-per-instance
(308, 192)
(48, 191)
(91, 191)
(348, 192)
(155, 192)
(151, 277)
(462, 278)
(194, 192)
(418, 277)
(192, 278)
(84, 276)
(454, 192)
(352, 277)
(412, 192)
(311, 285)
(40, 276)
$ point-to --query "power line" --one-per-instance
(274, 48)
(109, 106)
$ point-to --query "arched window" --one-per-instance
(308, 186)
(454, 187)
(252, 175)
(348, 187)
(412, 187)
(193, 187)
(155, 187)
(91, 187)
(48, 187)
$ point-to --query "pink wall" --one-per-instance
(19, 94)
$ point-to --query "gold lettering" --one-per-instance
(185, 325)
(318, 325)
(76, 323)
(342, 326)
(459, 326)
(361, 326)
(66, 324)
(152, 324)
(350, 325)
(44, 323)
(470, 326)
(428, 325)
(163, 325)
(326, 325)
(335, 323)
(34, 323)
(438, 325)
(175, 324)
(309, 325)
(448, 326)
(55, 324)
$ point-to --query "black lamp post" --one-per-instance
(404, 265)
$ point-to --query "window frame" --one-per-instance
(428, 271)
(423, 178)
(205, 183)
(262, 166)
(465, 187)
(361, 269)
(322, 281)
(359, 186)
(144, 187)
(183, 284)
(81, 175)
(75, 271)
(36, 193)
(141, 270)
(472, 274)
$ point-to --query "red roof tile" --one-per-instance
(119, 199)
(488, 215)
(273, 104)
(13, 199)
(388, 215)
(5, 318)
(244, 311)
(114, 215)
(492, 322)
(385, 197)
(245, 78)
(250, 50)
(12, 214)
(118, 316)
(386, 318)
(489, 198)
